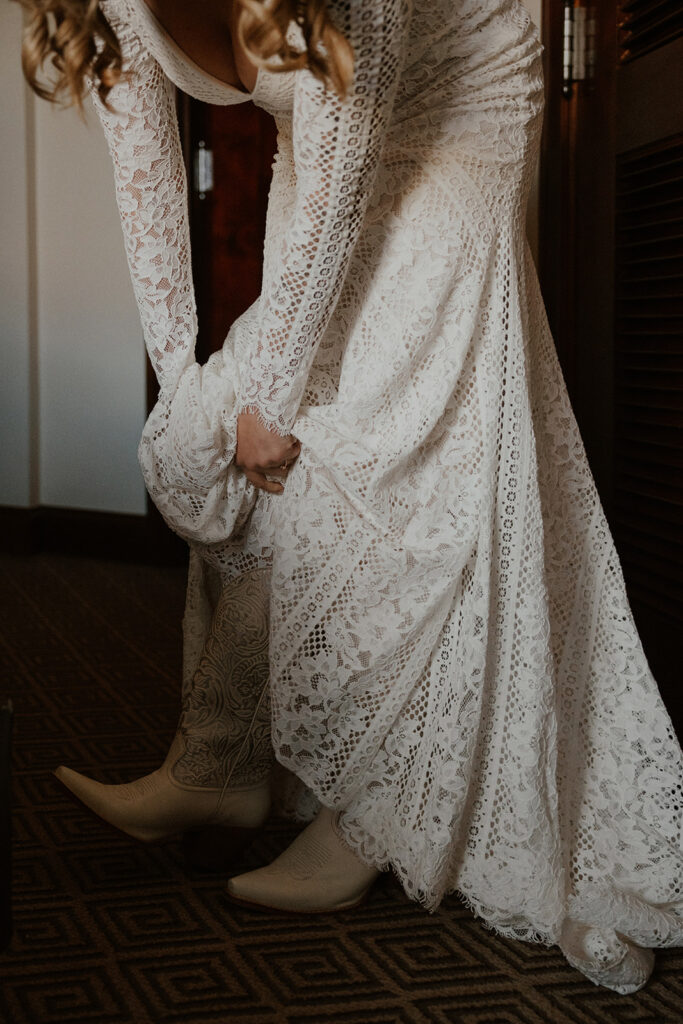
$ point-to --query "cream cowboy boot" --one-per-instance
(217, 771)
(318, 873)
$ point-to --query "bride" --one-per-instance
(402, 586)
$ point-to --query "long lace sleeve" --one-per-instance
(188, 443)
(337, 144)
(151, 191)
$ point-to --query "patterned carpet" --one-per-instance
(107, 930)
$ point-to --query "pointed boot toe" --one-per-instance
(83, 788)
(264, 888)
(317, 874)
(124, 806)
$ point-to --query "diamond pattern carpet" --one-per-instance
(108, 931)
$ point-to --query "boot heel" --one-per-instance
(216, 848)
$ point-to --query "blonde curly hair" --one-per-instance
(74, 39)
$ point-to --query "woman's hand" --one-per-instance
(261, 451)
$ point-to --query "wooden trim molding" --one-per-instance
(91, 534)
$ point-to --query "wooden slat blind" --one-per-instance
(648, 495)
(646, 25)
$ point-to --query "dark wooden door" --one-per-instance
(612, 273)
(227, 221)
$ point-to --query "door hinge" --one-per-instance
(578, 45)
(203, 170)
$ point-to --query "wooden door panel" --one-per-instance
(648, 335)
(620, 140)
(649, 373)
(649, 91)
(647, 25)
(228, 222)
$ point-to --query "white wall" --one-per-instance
(16, 487)
(72, 400)
(90, 350)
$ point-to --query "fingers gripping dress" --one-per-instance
(454, 662)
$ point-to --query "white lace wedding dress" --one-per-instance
(454, 661)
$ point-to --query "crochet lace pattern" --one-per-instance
(454, 663)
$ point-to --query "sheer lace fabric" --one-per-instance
(454, 663)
